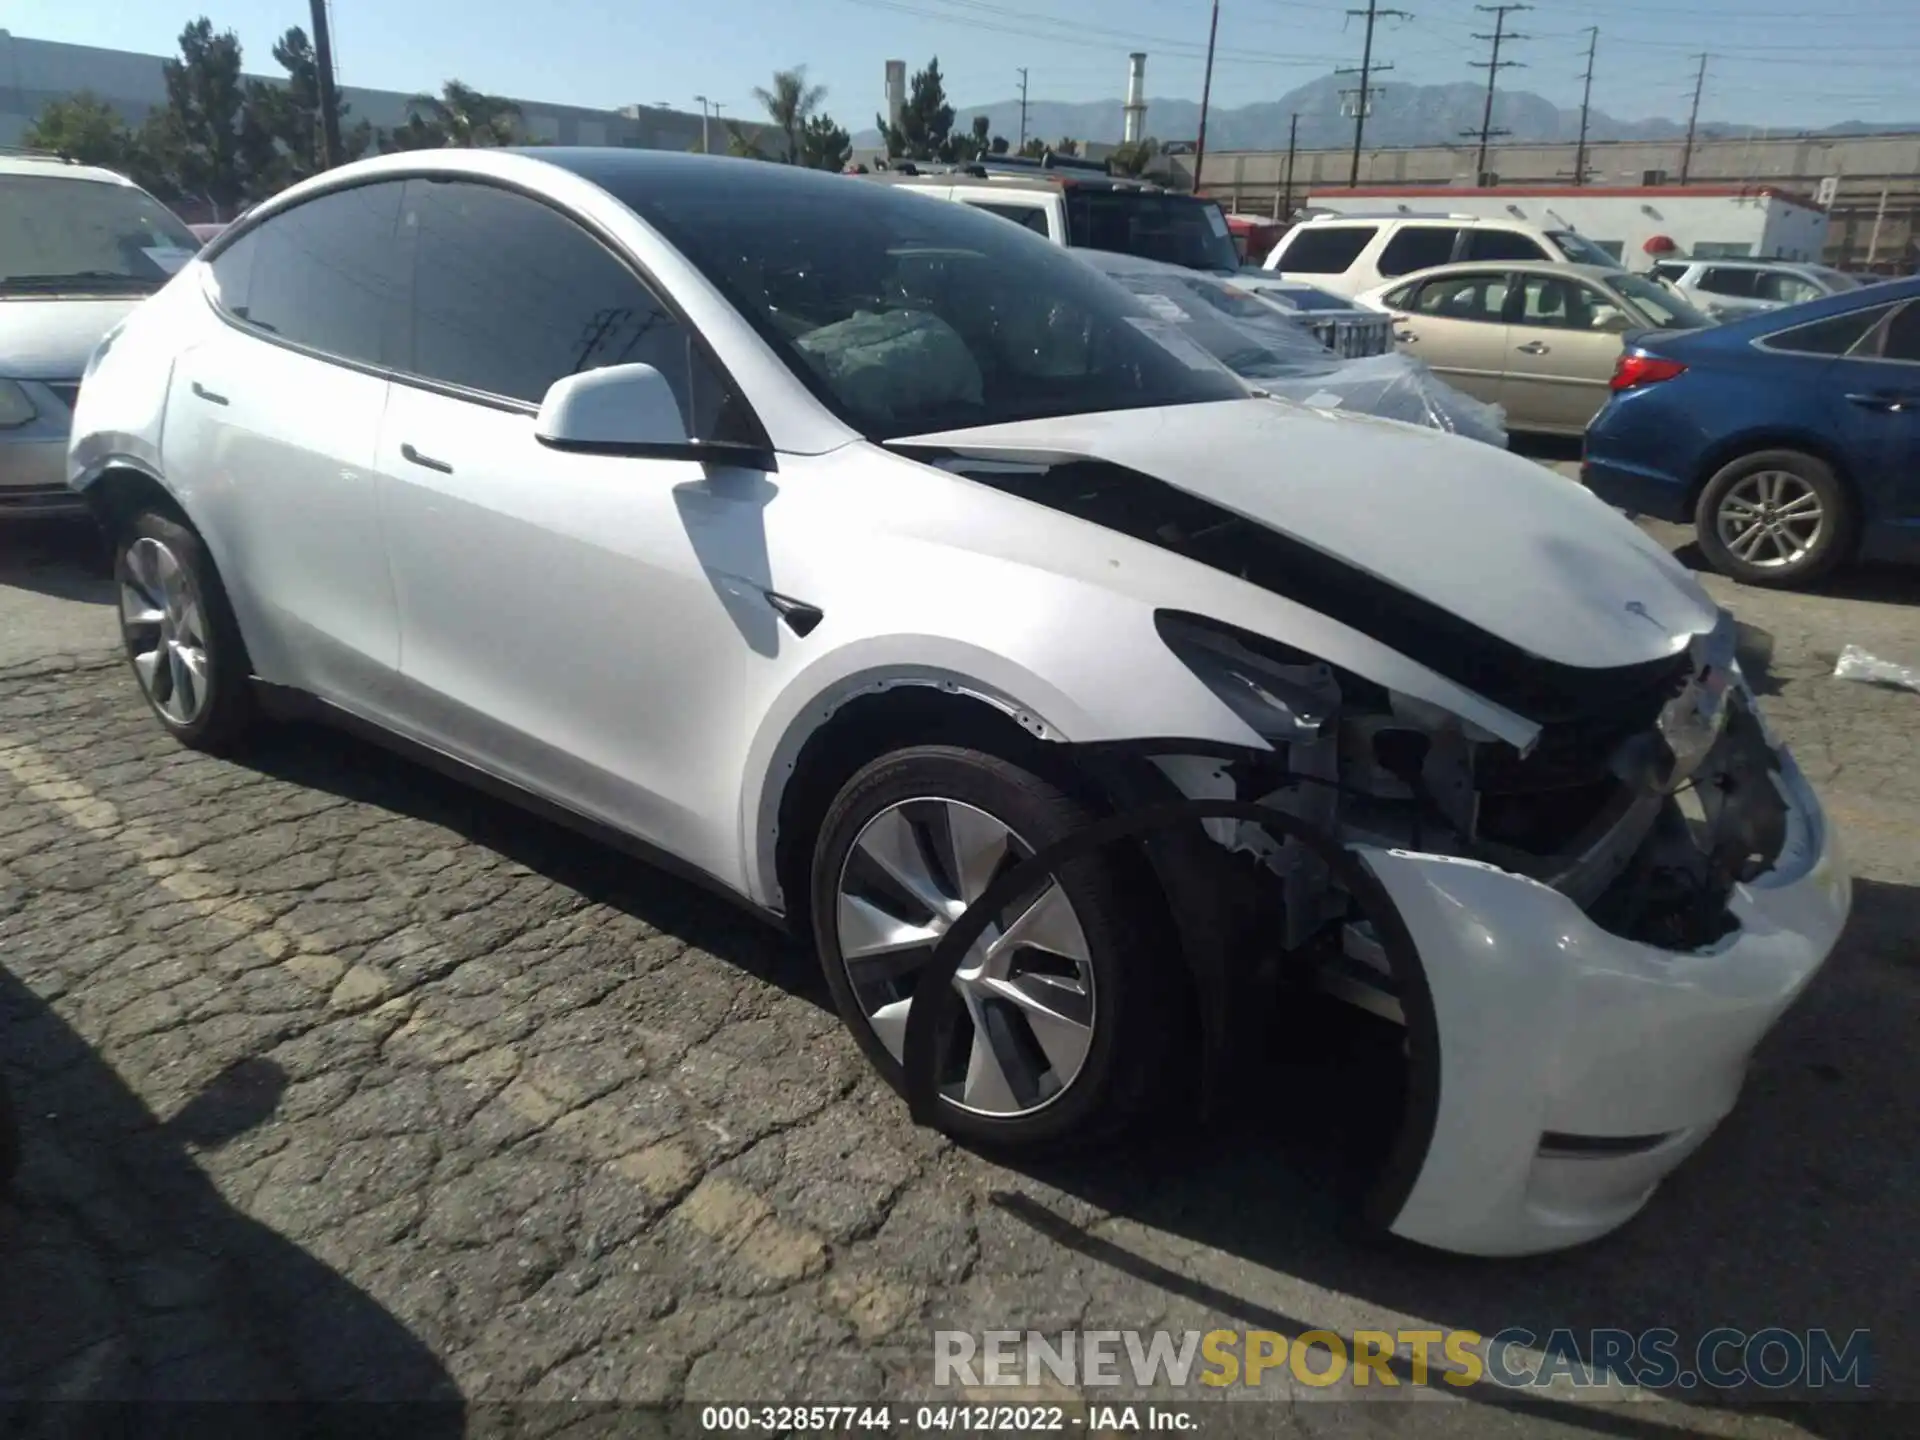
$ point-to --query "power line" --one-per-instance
(1493, 65)
(1586, 101)
(1363, 97)
(1693, 119)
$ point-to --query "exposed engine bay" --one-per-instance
(1647, 795)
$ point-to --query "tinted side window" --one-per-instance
(1903, 336)
(1788, 289)
(1031, 216)
(1485, 244)
(329, 274)
(1718, 280)
(1325, 249)
(1835, 335)
(509, 296)
(1668, 271)
(1417, 247)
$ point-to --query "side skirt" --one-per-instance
(283, 702)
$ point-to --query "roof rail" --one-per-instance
(1050, 160)
(35, 152)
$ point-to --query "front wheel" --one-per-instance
(1070, 1000)
(180, 634)
(1778, 518)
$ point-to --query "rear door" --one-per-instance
(1877, 387)
(1563, 341)
(1732, 290)
(1415, 246)
(1455, 323)
(273, 420)
(1326, 255)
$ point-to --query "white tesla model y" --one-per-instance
(840, 549)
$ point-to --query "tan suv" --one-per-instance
(1351, 253)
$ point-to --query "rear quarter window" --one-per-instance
(1417, 247)
(1836, 335)
(1325, 249)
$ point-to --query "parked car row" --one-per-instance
(849, 564)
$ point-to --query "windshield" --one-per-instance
(1664, 307)
(1173, 229)
(906, 314)
(60, 234)
(1582, 251)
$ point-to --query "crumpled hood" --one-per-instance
(49, 337)
(1495, 539)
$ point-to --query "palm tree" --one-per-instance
(468, 117)
(790, 103)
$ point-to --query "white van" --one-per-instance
(1351, 253)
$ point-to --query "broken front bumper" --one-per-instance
(1575, 1068)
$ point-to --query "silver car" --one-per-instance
(79, 248)
(1727, 289)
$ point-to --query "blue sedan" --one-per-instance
(1790, 439)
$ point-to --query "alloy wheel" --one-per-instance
(165, 629)
(1027, 985)
(1770, 519)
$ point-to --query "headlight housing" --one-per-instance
(1282, 694)
(16, 409)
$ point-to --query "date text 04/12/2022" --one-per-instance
(947, 1419)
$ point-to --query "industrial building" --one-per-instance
(1873, 200)
(34, 73)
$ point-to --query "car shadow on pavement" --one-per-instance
(127, 1279)
(67, 559)
(1876, 584)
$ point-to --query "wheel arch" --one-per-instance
(118, 487)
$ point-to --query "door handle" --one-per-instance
(205, 394)
(1893, 404)
(1533, 347)
(426, 462)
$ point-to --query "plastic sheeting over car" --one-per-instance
(1280, 356)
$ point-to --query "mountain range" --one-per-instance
(1402, 115)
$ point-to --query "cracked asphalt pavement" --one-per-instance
(339, 1080)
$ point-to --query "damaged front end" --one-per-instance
(1644, 805)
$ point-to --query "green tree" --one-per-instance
(741, 144)
(416, 134)
(1067, 146)
(1134, 159)
(83, 128)
(291, 112)
(824, 145)
(790, 103)
(1035, 149)
(207, 142)
(926, 120)
(977, 141)
(999, 146)
(466, 117)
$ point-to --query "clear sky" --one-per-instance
(1774, 63)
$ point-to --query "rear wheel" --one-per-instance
(1063, 1038)
(180, 634)
(1777, 518)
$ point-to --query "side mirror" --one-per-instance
(620, 409)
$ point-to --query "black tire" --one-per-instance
(1831, 544)
(1137, 974)
(229, 707)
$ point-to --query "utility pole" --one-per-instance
(1586, 99)
(1363, 102)
(1023, 112)
(706, 135)
(330, 153)
(1293, 136)
(1206, 94)
(1879, 217)
(1693, 120)
(1493, 66)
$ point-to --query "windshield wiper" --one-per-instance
(80, 277)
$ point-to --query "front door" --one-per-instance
(1563, 342)
(1454, 323)
(578, 624)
